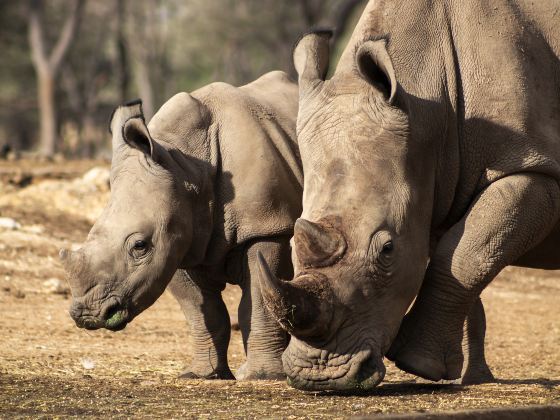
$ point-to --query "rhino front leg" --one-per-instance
(201, 301)
(264, 339)
(476, 370)
(506, 220)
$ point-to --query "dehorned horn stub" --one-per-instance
(302, 306)
(72, 261)
(317, 245)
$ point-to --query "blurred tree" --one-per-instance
(137, 48)
(86, 73)
(122, 66)
(47, 67)
(17, 89)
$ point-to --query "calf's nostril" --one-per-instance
(109, 311)
(76, 312)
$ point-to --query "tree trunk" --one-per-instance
(48, 128)
(47, 66)
(145, 87)
(123, 72)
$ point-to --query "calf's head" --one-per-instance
(142, 236)
(361, 244)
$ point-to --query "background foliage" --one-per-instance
(123, 49)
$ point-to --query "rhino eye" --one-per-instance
(387, 248)
(139, 248)
(139, 245)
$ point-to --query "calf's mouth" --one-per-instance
(113, 315)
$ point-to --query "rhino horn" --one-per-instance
(72, 261)
(301, 306)
(317, 245)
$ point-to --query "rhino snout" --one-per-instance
(313, 369)
(112, 315)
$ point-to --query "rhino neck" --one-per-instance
(199, 179)
(430, 86)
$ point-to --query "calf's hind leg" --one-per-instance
(507, 219)
(264, 339)
(476, 370)
(201, 301)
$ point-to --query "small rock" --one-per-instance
(21, 179)
(97, 176)
(9, 223)
(5, 149)
(87, 363)
(56, 287)
(36, 229)
(234, 323)
(18, 294)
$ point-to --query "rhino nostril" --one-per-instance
(76, 311)
(89, 324)
(371, 373)
(109, 310)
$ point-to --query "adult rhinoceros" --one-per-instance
(431, 157)
(212, 179)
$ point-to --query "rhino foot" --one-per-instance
(216, 374)
(431, 353)
(249, 373)
(477, 375)
(426, 367)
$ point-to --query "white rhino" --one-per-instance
(431, 158)
(214, 178)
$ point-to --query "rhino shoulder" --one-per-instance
(276, 90)
(179, 117)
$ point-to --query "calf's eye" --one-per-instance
(139, 245)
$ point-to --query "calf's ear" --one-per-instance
(376, 67)
(136, 135)
(128, 129)
(311, 56)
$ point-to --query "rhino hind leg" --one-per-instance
(263, 338)
(201, 301)
(506, 220)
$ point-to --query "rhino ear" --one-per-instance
(311, 56)
(375, 66)
(128, 129)
(136, 135)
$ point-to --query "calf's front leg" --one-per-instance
(201, 301)
(264, 339)
(507, 219)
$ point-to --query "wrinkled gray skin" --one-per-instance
(431, 159)
(213, 179)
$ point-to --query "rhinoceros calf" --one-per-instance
(213, 179)
(437, 140)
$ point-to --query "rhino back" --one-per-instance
(482, 85)
(247, 136)
(260, 168)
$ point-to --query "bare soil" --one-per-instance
(50, 368)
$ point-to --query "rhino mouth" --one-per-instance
(116, 318)
(112, 316)
(313, 369)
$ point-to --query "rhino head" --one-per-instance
(361, 244)
(144, 233)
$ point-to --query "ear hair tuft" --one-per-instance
(134, 102)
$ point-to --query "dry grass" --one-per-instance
(50, 368)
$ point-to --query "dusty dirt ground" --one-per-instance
(50, 368)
